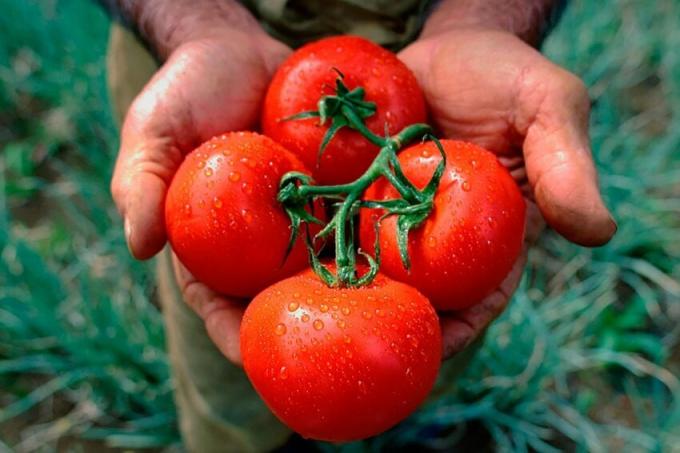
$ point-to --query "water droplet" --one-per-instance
(342, 324)
(347, 339)
(353, 303)
(187, 208)
(283, 373)
(474, 163)
(234, 176)
(323, 308)
(305, 317)
(208, 172)
(247, 216)
(367, 315)
(380, 313)
(401, 307)
(217, 203)
(426, 153)
(201, 164)
(345, 311)
(247, 188)
(414, 340)
(280, 329)
(466, 186)
(431, 241)
(296, 295)
(293, 306)
(318, 324)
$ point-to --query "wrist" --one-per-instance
(529, 20)
(165, 26)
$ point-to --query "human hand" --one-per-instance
(208, 85)
(488, 87)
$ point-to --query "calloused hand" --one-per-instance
(489, 87)
(206, 87)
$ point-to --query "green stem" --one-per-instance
(355, 122)
(348, 108)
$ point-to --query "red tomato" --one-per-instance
(222, 217)
(341, 364)
(309, 73)
(473, 236)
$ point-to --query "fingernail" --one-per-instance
(615, 225)
(127, 228)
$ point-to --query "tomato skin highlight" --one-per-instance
(222, 217)
(474, 235)
(341, 364)
(309, 73)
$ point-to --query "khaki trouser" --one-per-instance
(219, 410)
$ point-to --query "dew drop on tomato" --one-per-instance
(280, 329)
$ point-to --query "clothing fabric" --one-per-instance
(390, 23)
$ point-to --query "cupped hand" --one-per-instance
(490, 88)
(206, 87)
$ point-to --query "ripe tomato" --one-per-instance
(473, 236)
(222, 217)
(341, 364)
(309, 73)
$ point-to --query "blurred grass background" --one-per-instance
(585, 359)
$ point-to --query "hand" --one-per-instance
(489, 87)
(206, 87)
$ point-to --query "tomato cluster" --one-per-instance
(340, 350)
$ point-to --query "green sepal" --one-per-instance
(373, 268)
(295, 206)
(317, 266)
(431, 187)
(302, 116)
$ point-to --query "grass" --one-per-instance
(585, 359)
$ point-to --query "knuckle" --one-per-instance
(572, 88)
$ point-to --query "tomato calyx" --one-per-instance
(296, 191)
(345, 108)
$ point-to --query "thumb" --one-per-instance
(143, 172)
(558, 159)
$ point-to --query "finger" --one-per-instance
(461, 328)
(222, 316)
(554, 110)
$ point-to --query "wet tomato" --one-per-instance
(311, 72)
(222, 217)
(473, 236)
(341, 364)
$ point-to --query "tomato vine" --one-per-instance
(348, 108)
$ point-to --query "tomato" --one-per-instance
(222, 217)
(473, 236)
(309, 73)
(341, 364)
